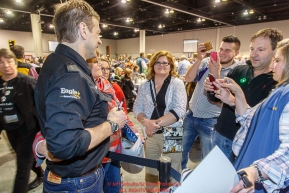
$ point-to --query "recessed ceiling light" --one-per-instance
(199, 20)
(251, 11)
(203, 19)
(217, 1)
(8, 11)
(246, 12)
(1, 20)
(100, 36)
(172, 11)
(104, 25)
(123, 1)
(18, 1)
(115, 33)
(167, 11)
(51, 26)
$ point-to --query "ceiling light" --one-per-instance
(167, 11)
(130, 19)
(217, 1)
(104, 25)
(127, 0)
(162, 26)
(172, 11)
(123, 1)
(203, 19)
(51, 26)
(259, 18)
(251, 11)
(115, 33)
(100, 36)
(246, 12)
(136, 30)
(224, 0)
(1, 20)
(264, 17)
(8, 11)
(199, 20)
(127, 20)
(19, 1)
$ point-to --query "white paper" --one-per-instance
(215, 174)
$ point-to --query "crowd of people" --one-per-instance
(74, 111)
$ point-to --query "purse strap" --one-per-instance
(154, 100)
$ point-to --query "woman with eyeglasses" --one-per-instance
(171, 98)
(18, 116)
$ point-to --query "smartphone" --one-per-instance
(214, 55)
(208, 46)
(212, 79)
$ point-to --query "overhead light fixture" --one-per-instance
(115, 33)
(18, 1)
(203, 19)
(1, 20)
(199, 20)
(224, 0)
(123, 1)
(217, 1)
(100, 36)
(167, 11)
(129, 20)
(51, 26)
(162, 26)
(136, 30)
(264, 17)
(251, 11)
(259, 18)
(8, 12)
(104, 25)
(172, 11)
(246, 12)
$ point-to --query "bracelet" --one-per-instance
(260, 176)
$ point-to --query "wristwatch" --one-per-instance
(114, 126)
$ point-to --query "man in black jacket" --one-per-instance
(73, 114)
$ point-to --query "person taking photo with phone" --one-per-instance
(202, 114)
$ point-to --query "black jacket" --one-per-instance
(127, 87)
(68, 102)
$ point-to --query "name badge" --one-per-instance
(53, 178)
(10, 118)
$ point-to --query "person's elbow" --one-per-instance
(189, 77)
(68, 149)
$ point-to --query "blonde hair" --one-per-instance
(118, 71)
(283, 48)
(154, 59)
(127, 71)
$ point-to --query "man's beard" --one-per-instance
(227, 61)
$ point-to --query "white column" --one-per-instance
(142, 41)
(218, 38)
(37, 34)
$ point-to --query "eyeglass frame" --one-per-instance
(161, 64)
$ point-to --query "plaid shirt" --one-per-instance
(276, 166)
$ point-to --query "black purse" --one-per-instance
(173, 136)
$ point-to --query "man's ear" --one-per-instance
(83, 30)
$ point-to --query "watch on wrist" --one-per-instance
(114, 126)
(260, 176)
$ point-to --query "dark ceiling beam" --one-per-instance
(249, 6)
(194, 12)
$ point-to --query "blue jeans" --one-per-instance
(90, 183)
(224, 144)
(193, 127)
(112, 179)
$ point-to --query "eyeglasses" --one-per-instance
(162, 63)
(105, 69)
(4, 87)
(9, 62)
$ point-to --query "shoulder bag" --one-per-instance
(173, 136)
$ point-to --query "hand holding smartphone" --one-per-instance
(211, 95)
(214, 56)
(208, 46)
(212, 79)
